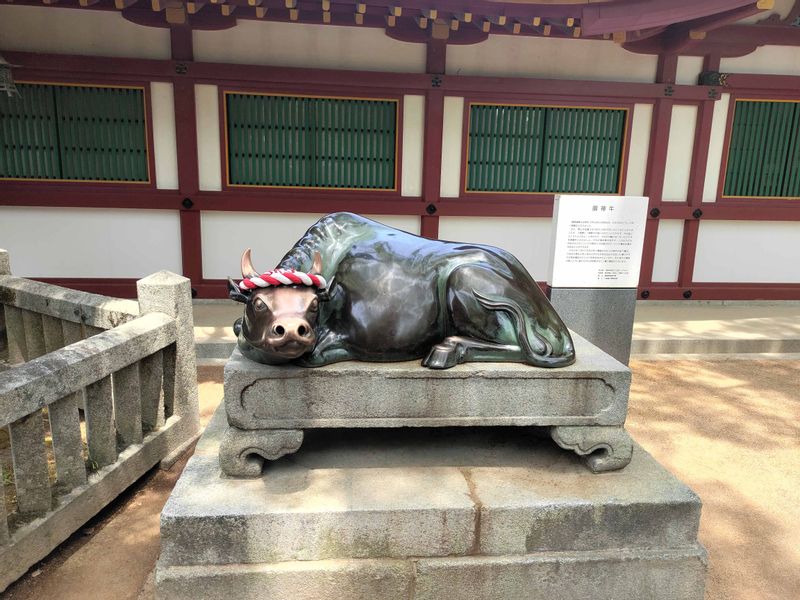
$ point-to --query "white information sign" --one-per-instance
(597, 241)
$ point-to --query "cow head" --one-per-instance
(279, 322)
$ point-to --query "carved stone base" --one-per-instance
(243, 452)
(603, 448)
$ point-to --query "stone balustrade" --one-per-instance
(99, 390)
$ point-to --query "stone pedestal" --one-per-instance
(270, 407)
(484, 513)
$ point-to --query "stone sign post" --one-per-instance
(596, 254)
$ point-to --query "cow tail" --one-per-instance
(525, 325)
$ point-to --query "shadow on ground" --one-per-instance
(731, 430)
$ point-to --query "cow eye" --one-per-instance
(314, 305)
(259, 304)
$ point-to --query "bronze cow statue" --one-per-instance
(355, 289)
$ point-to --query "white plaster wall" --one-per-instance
(689, 68)
(413, 143)
(639, 149)
(667, 259)
(767, 60)
(301, 45)
(679, 153)
(209, 163)
(270, 235)
(452, 125)
(164, 137)
(526, 238)
(716, 144)
(550, 58)
(86, 32)
(748, 251)
(88, 242)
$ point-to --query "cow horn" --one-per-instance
(247, 265)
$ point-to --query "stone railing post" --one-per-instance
(171, 294)
(12, 317)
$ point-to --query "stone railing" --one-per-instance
(97, 391)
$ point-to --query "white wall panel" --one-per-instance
(225, 235)
(639, 148)
(679, 153)
(413, 143)
(766, 60)
(313, 46)
(85, 32)
(164, 137)
(689, 69)
(452, 125)
(716, 146)
(550, 58)
(208, 142)
(89, 242)
(748, 252)
(667, 259)
(526, 238)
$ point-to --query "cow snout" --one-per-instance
(291, 329)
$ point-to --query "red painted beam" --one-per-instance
(666, 71)
(762, 83)
(609, 17)
(726, 291)
(186, 146)
(81, 68)
(574, 89)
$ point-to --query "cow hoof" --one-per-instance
(442, 356)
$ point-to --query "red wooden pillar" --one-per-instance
(432, 149)
(186, 142)
(691, 227)
(656, 165)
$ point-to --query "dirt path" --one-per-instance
(728, 428)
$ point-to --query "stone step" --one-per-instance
(395, 494)
(674, 574)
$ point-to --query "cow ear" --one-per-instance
(234, 293)
(316, 266)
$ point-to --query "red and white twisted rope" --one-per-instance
(283, 277)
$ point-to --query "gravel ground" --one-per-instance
(729, 427)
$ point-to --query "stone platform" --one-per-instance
(270, 407)
(468, 513)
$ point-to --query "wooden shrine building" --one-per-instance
(171, 134)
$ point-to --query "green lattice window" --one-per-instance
(764, 152)
(68, 132)
(311, 142)
(544, 149)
